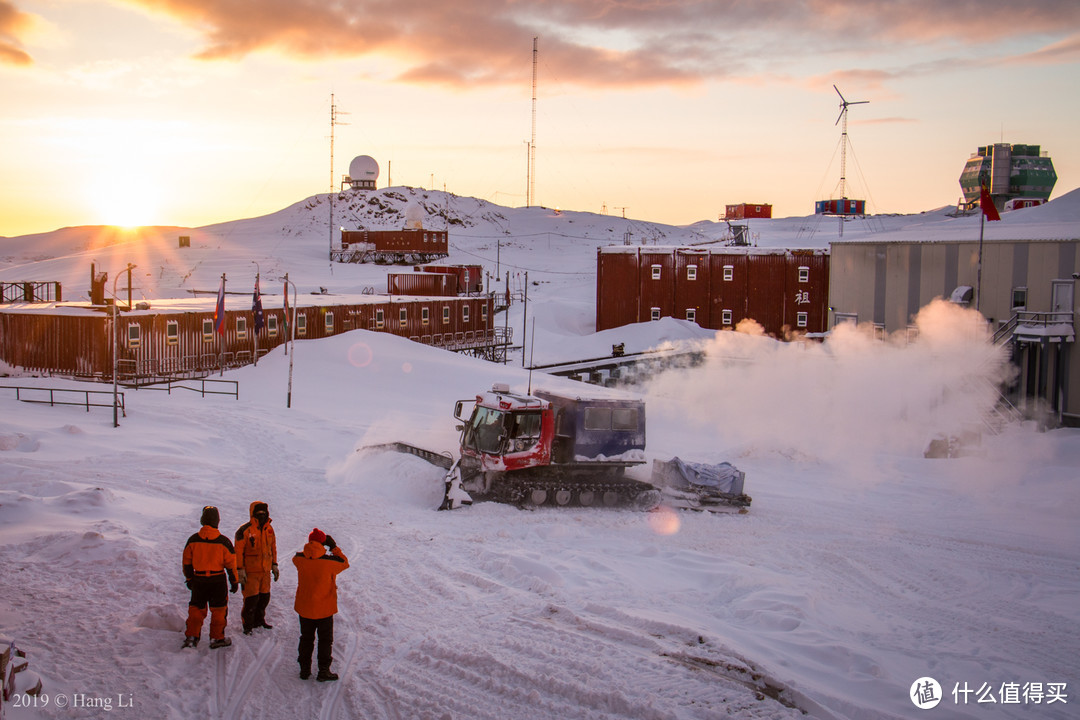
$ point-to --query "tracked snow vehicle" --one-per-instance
(555, 449)
(564, 449)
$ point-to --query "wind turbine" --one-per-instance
(844, 103)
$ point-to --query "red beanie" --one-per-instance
(317, 535)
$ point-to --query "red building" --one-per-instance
(176, 337)
(785, 291)
(742, 211)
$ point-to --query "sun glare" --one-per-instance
(123, 200)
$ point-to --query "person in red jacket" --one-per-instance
(316, 601)
(256, 562)
(209, 561)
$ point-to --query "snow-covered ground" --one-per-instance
(861, 566)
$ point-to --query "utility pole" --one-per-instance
(333, 123)
(532, 141)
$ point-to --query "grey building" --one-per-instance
(1025, 286)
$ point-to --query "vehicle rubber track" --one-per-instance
(574, 490)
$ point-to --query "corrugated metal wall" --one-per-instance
(782, 290)
(617, 283)
(692, 287)
(175, 342)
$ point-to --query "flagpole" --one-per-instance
(292, 332)
(221, 332)
(978, 271)
(255, 302)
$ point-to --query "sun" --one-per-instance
(123, 199)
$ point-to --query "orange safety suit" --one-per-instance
(316, 586)
(256, 555)
(210, 566)
(316, 603)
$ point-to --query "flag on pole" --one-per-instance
(256, 307)
(219, 309)
(286, 293)
(987, 204)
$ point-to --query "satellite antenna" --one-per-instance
(842, 207)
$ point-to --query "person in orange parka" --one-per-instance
(208, 561)
(316, 601)
(256, 561)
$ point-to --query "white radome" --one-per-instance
(364, 171)
(414, 217)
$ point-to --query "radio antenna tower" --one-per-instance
(333, 123)
(531, 194)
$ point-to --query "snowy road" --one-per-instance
(845, 583)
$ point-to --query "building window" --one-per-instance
(241, 328)
(380, 318)
(801, 319)
(134, 336)
(729, 273)
(207, 330)
(1019, 298)
(912, 333)
(329, 323)
(301, 324)
(403, 316)
(484, 314)
(879, 331)
(654, 314)
(425, 316)
(804, 274)
(725, 317)
(446, 315)
(655, 272)
(271, 325)
(691, 314)
(172, 333)
(691, 272)
(841, 317)
(464, 313)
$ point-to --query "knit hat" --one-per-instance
(317, 535)
(210, 516)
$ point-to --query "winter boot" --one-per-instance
(220, 643)
(266, 625)
(190, 642)
(326, 675)
(305, 673)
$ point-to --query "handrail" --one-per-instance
(170, 385)
(1030, 319)
(52, 401)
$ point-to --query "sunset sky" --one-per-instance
(191, 112)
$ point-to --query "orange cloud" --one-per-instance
(13, 22)
(1065, 51)
(600, 42)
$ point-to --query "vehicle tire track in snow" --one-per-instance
(332, 704)
(241, 690)
(221, 683)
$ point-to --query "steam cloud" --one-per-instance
(850, 395)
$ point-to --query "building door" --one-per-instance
(1061, 296)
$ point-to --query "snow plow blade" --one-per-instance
(698, 486)
(453, 495)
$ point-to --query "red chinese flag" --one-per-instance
(987, 204)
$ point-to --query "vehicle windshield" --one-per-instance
(484, 432)
(525, 425)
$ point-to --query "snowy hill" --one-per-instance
(861, 566)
